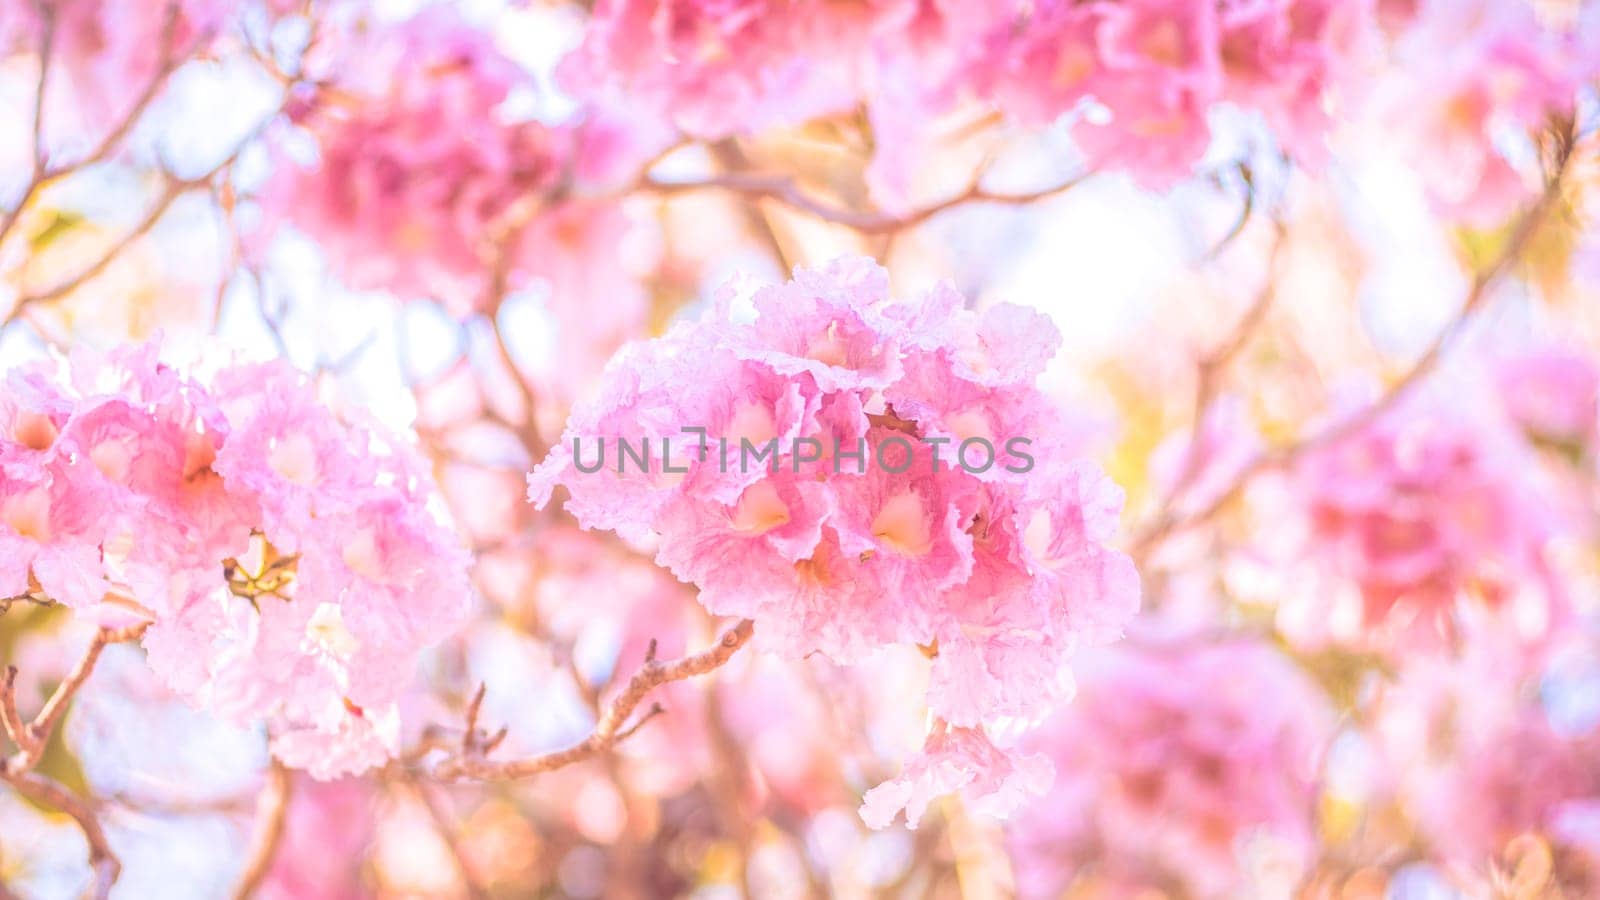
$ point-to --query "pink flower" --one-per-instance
(417, 177)
(912, 487)
(1155, 68)
(1287, 58)
(994, 781)
(327, 830)
(286, 559)
(1388, 534)
(1473, 70)
(1174, 758)
(1475, 762)
(1552, 392)
(718, 67)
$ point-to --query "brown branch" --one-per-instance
(169, 194)
(1527, 225)
(48, 792)
(612, 727)
(785, 190)
(47, 46)
(272, 807)
(174, 188)
(36, 179)
(1210, 367)
(44, 173)
(32, 738)
(15, 728)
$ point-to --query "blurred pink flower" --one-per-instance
(1471, 72)
(1433, 503)
(1177, 756)
(326, 833)
(426, 188)
(1552, 392)
(1476, 762)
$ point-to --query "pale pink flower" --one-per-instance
(1388, 535)
(1552, 392)
(286, 559)
(1476, 759)
(326, 834)
(1153, 69)
(855, 530)
(1175, 757)
(417, 174)
(718, 67)
(1469, 71)
(993, 781)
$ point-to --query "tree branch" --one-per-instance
(32, 738)
(472, 760)
(272, 807)
(783, 189)
(44, 173)
(48, 792)
(1527, 225)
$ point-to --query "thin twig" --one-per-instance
(784, 189)
(15, 728)
(175, 187)
(613, 725)
(272, 807)
(48, 792)
(44, 173)
(47, 46)
(31, 739)
(38, 177)
(1210, 368)
(451, 835)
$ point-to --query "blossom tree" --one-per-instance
(645, 448)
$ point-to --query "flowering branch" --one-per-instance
(272, 805)
(613, 727)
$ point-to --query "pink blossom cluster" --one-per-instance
(1471, 749)
(418, 173)
(1395, 531)
(287, 561)
(1553, 393)
(426, 185)
(873, 520)
(1156, 66)
(1472, 72)
(1180, 760)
